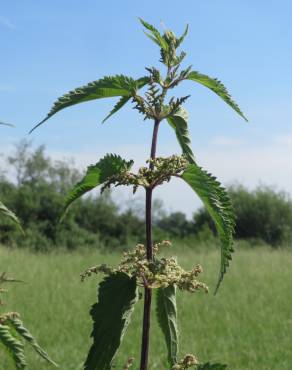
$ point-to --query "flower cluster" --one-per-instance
(4, 279)
(185, 363)
(129, 363)
(159, 273)
(161, 170)
(8, 316)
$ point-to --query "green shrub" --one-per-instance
(262, 215)
(36, 194)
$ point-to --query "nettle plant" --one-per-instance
(13, 333)
(142, 268)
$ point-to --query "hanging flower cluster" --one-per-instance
(162, 169)
(159, 273)
(185, 363)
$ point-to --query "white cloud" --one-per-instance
(251, 165)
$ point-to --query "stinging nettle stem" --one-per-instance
(149, 253)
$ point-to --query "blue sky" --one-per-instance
(48, 48)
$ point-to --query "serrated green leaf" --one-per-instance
(179, 122)
(13, 346)
(17, 324)
(217, 203)
(167, 318)
(111, 316)
(124, 99)
(181, 39)
(106, 87)
(156, 36)
(217, 87)
(7, 213)
(208, 366)
(97, 174)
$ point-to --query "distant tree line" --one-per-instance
(36, 192)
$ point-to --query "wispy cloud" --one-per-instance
(6, 23)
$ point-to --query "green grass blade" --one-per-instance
(208, 366)
(217, 87)
(17, 324)
(179, 122)
(217, 203)
(13, 346)
(167, 318)
(4, 279)
(111, 316)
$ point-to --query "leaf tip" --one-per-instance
(64, 213)
(37, 125)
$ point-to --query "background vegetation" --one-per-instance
(36, 186)
(247, 325)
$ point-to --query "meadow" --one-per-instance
(247, 325)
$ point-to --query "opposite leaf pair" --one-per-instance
(117, 296)
(209, 190)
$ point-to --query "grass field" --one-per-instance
(248, 325)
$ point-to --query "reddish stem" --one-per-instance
(149, 254)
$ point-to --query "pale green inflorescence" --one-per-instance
(162, 170)
(129, 363)
(8, 316)
(159, 273)
(187, 362)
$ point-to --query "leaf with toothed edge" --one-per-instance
(167, 318)
(181, 39)
(217, 87)
(17, 324)
(96, 175)
(106, 87)
(14, 346)
(111, 316)
(218, 204)
(179, 122)
(124, 99)
(6, 212)
(155, 34)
